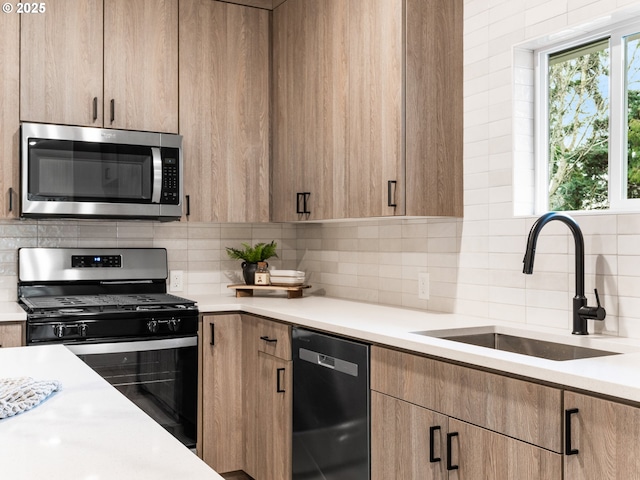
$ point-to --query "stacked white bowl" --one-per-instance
(288, 278)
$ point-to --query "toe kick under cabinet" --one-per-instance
(435, 420)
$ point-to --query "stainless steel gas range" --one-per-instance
(111, 308)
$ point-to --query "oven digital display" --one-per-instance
(96, 261)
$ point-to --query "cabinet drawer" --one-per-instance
(274, 338)
(517, 408)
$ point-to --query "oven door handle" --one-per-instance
(135, 346)
(157, 175)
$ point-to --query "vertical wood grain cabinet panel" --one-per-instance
(9, 114)
(222, 445)
(12, 334)
(376, 85)
(607, 437)
(224, 110)
(141, 65)
(310, 109)
(434, 107)
(61, 63)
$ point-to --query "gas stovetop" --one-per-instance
(104, 303)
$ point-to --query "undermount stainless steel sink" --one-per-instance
(489, 337)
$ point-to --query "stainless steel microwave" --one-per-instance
(84, 172)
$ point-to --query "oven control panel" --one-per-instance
(96, 261)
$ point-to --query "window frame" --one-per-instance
(617, 165)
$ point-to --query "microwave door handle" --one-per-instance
(157, 175)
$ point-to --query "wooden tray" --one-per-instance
(244, 290)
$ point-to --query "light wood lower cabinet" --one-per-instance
(605, 437)
(221, 434)
(488, 426)
(12, 334)
(246, 396)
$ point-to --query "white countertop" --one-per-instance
(86, 431)
(615, 375)
(12, 312)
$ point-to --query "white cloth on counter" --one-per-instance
(18, 395)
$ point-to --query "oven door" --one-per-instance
(160, 376)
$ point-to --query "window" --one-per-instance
(588, 154)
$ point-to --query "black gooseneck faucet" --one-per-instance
(581, 311)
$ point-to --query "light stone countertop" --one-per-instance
(615, 375)
(86, 431)
(12, 312)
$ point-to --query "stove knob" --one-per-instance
(82, 329)
(174, 324)
(58, 330)
(152, 326)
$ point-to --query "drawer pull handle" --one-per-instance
(569, 450)
(279, 388)
(432, 447)
(213, 334)
(268, 340)
(450, 465)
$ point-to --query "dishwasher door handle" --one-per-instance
(327, 361)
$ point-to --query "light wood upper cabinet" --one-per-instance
(141, 65)
(368, 109)
(606, 436)
(61, 63)
(12, 334)
(9, 114)
(310, 71)
(81, 55)
(224, 110)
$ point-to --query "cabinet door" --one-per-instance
(11, 335)
(273, 449)
(606, 436)
(9, 113)
(141, 65)
(224, 110)
(221, 389)
(376, 133)
(61, 63)
(481, 454)
(407, 441)
(310, 110)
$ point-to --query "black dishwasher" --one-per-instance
(330, 407)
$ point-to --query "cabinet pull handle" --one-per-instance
(390, 185)
(299, 210)
(213, 334)
(269, 340)
(306, 197)
(279, 388)
(188, 197)
(113, 110)
(95, 108)
(10, 203)
(569, 450)
(450, 436)
(432, 447)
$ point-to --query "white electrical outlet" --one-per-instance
(423, 286)
(175, 281)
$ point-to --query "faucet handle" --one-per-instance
(595, 290)
(593, 313)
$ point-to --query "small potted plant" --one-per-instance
(250, 257)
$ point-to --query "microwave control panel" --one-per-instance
(170, 177)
